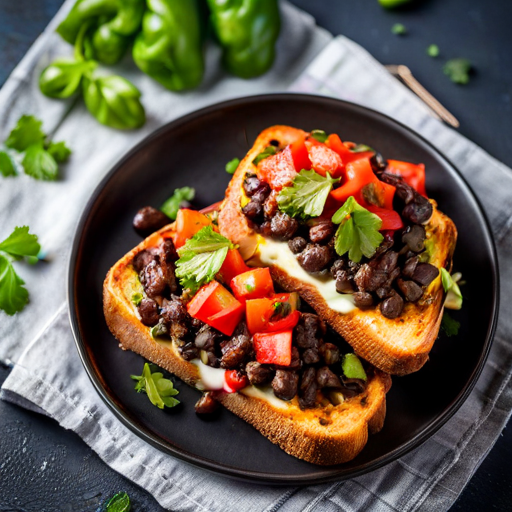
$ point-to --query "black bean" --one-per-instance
(264, 229)
(410, 266)
(258, 374)
(176, 318)
(206, 337)
(315, 258)
(392, 307)
(296, 362)
(235, 351)
(383, 292)
(411, 291)
(148, 220)
(143, 259)
(311, 356)
(321, 232)
(352, 387)
(336, 266)
(344, 282)
(206, 404)
(285, 384)
(418, 211)
(327, 379)
(363, 299)
(309, 331)
(378, 163)
(253, 210)
(282, 226)
(414, 238)
(369, 279)
(167, 251)
(148, 311)
(153, 279)
(330, 353)
(251, 185)
(188, 351)
(270, 205)
(425, 273)
(388, 261)
(297, 244)
(308, 387)
(211, 359)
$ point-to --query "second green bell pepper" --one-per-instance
(247, 30)
(169, 47)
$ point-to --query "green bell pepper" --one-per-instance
(169, 47)
(112, 23)
(61, 79)
(247, 30)
(114, 101)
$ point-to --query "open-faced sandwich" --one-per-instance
(353, 234)
(185, 299)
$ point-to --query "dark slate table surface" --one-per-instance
(45, 468)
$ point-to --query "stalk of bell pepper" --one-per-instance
(112, 23)
(247, 31)
(169, 47)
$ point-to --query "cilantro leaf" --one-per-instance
(268, 151)
(458, 70)
(159, 390)
(7, 165)
(201, 258)
(59, 151)
(358, 231)
(319, 135)
(232, 165)
(13, 296)
(449, 325)
(433, 50)
(180, 195)
(39, 163)
(20, 243)
(27, 132)
(307, 195)
(120, 502)
(398, 29)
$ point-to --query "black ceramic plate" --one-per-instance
(193, 151)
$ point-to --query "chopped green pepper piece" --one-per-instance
(352, 367)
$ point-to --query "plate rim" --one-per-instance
(339, 473)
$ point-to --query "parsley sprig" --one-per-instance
(160, 391)
(201, 258)
(307, 195)
(180, 196)
(27, 147)
(19, 244)
(358, 231)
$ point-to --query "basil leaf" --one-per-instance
(179, 196)
(232, 165)
(268, 151)
(120, 502)
(319, 135)
(307, 195)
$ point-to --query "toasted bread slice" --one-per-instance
(398, 346)
(328, 435)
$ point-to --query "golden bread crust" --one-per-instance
(325, 436)
(398, 346)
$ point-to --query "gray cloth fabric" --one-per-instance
(428, 478)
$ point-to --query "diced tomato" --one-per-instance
(226, 320)
(213, 304)
(366, 188)
(278, 170)
(273, 347)
(188, 223)
(300, 155)
(254, 284)
(235, 380)
(391, 220)
(272, 314)
(347, 156)
(413, 174)
(233, 265)
(323, 159)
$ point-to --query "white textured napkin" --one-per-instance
(431, 477)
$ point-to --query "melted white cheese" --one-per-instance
(211, 378)
(279, 254)
(265, 394)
